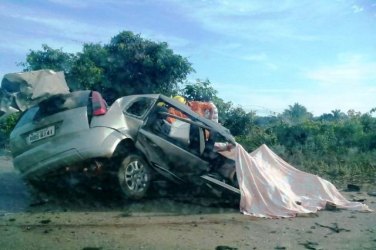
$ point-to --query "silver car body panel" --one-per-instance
(75, 148)
(74, 140)
(79, 137)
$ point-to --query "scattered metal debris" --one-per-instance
(225, 248)
(45, 221)
(334, 228)
(353, 188)
(311, 245)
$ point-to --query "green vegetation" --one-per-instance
(7, 124)
(335, 145)
(127, 65)
(340, 145)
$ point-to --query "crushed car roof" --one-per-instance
(209, 123)
(19, 91)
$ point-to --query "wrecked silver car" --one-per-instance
(131, 142)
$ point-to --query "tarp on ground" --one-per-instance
(272, 188)
(20, 91)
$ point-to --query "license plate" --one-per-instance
(41, 134)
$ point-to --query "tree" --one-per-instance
(49, 58)
(127, 65)
(353, 114)
(296, 114)
(88, 70)
(336, 115)
(238, 121)
(137, 66)
(200, 91)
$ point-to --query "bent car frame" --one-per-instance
(131, 142)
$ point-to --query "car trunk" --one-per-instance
(51, 121)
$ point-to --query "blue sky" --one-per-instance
(261, 55)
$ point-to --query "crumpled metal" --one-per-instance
(20, 91)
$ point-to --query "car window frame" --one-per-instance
(142, 117)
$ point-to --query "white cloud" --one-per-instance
(56, 31)
(173, 41)
(325, 100)
(357, 9)
(260, 57)
(26, 44)
(73, 33)
(347, 73)
(318, 102)
(68, 27)
(71, 3)
(81, 4)
(231, 46)
(251, 20)
(349, 84)
(272, 66)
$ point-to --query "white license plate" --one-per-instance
(41, 134)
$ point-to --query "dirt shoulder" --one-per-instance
(119, 230)
(165, 223)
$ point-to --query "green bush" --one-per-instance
(6, 126)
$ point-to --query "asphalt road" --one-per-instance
(14, 195)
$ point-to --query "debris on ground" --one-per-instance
(334, 228)
(45, 221)
(331, 206)
(359, 199)
(372, 193)
(308, 215)
(225, 248)
(280, 247)
(353, 188)
(311, 245)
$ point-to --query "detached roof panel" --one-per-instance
(25, 89)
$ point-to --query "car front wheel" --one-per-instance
(134, 177)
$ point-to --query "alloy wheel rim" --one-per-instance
(133, 177)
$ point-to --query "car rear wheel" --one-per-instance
(134, 177)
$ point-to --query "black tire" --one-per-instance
(134, 177)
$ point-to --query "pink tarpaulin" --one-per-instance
(272, 188)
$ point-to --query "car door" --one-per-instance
(176, 154)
